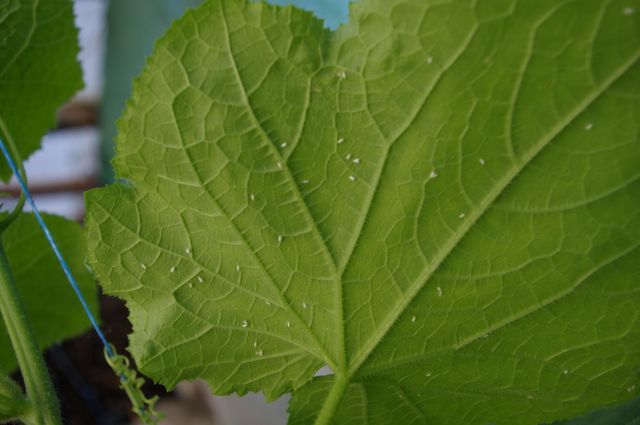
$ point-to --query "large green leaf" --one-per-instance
(440, 201)
(52, 308)
(38, 69)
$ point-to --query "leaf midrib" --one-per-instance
(473, 217)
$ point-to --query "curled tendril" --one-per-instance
(129, 381)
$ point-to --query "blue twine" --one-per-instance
(54, 246)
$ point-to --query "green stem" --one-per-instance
(34, 371)
(333, 400)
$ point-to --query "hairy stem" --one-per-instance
(332, 401)
(34, 372)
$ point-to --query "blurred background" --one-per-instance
(115, 38)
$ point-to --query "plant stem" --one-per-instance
(34, 372)
(333, 400)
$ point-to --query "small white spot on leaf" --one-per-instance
(340, 141)
(481, 161)
(259, 353)
(341, 74)
(172, 269)
(304, 305)
(439, 291)
(200, 279)
(413, 319)
(589, 126)
(433, 174)
(245, 324)
(352, 178)
(628, 11)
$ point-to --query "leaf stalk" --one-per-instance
(37, 382)
(331, 403)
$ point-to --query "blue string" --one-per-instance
(54, 246)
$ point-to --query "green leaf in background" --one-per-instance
(38, 69)
(440, 201)
(52, 307)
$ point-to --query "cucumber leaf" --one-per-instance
(38, 69)
(53, 310)
(440, 201)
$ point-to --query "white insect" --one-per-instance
(352, 178)
(481, 161)
(279, 164)
(259, 353)
(200, 279)
(187, 250)
(252, 197)
(288, 324)
(238, 269)
(439, 291)
(566, 371)
(305, 181)
(304, 305)
(341, 74)
(255, 344)
(461, 215)
(190, 285)
(356, 161)
(348, 156)
(628, 11)
(631, 388)
(267, 302)
(245, 324)
(144, 266)
(340, 141)
(429, 59)
(413, 319)
(433, 174)
(589, 126)
(279, 238)
(283, 145)
(172, 269)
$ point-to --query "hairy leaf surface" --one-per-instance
(38, 69)
(440, 201)
(54, 312)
